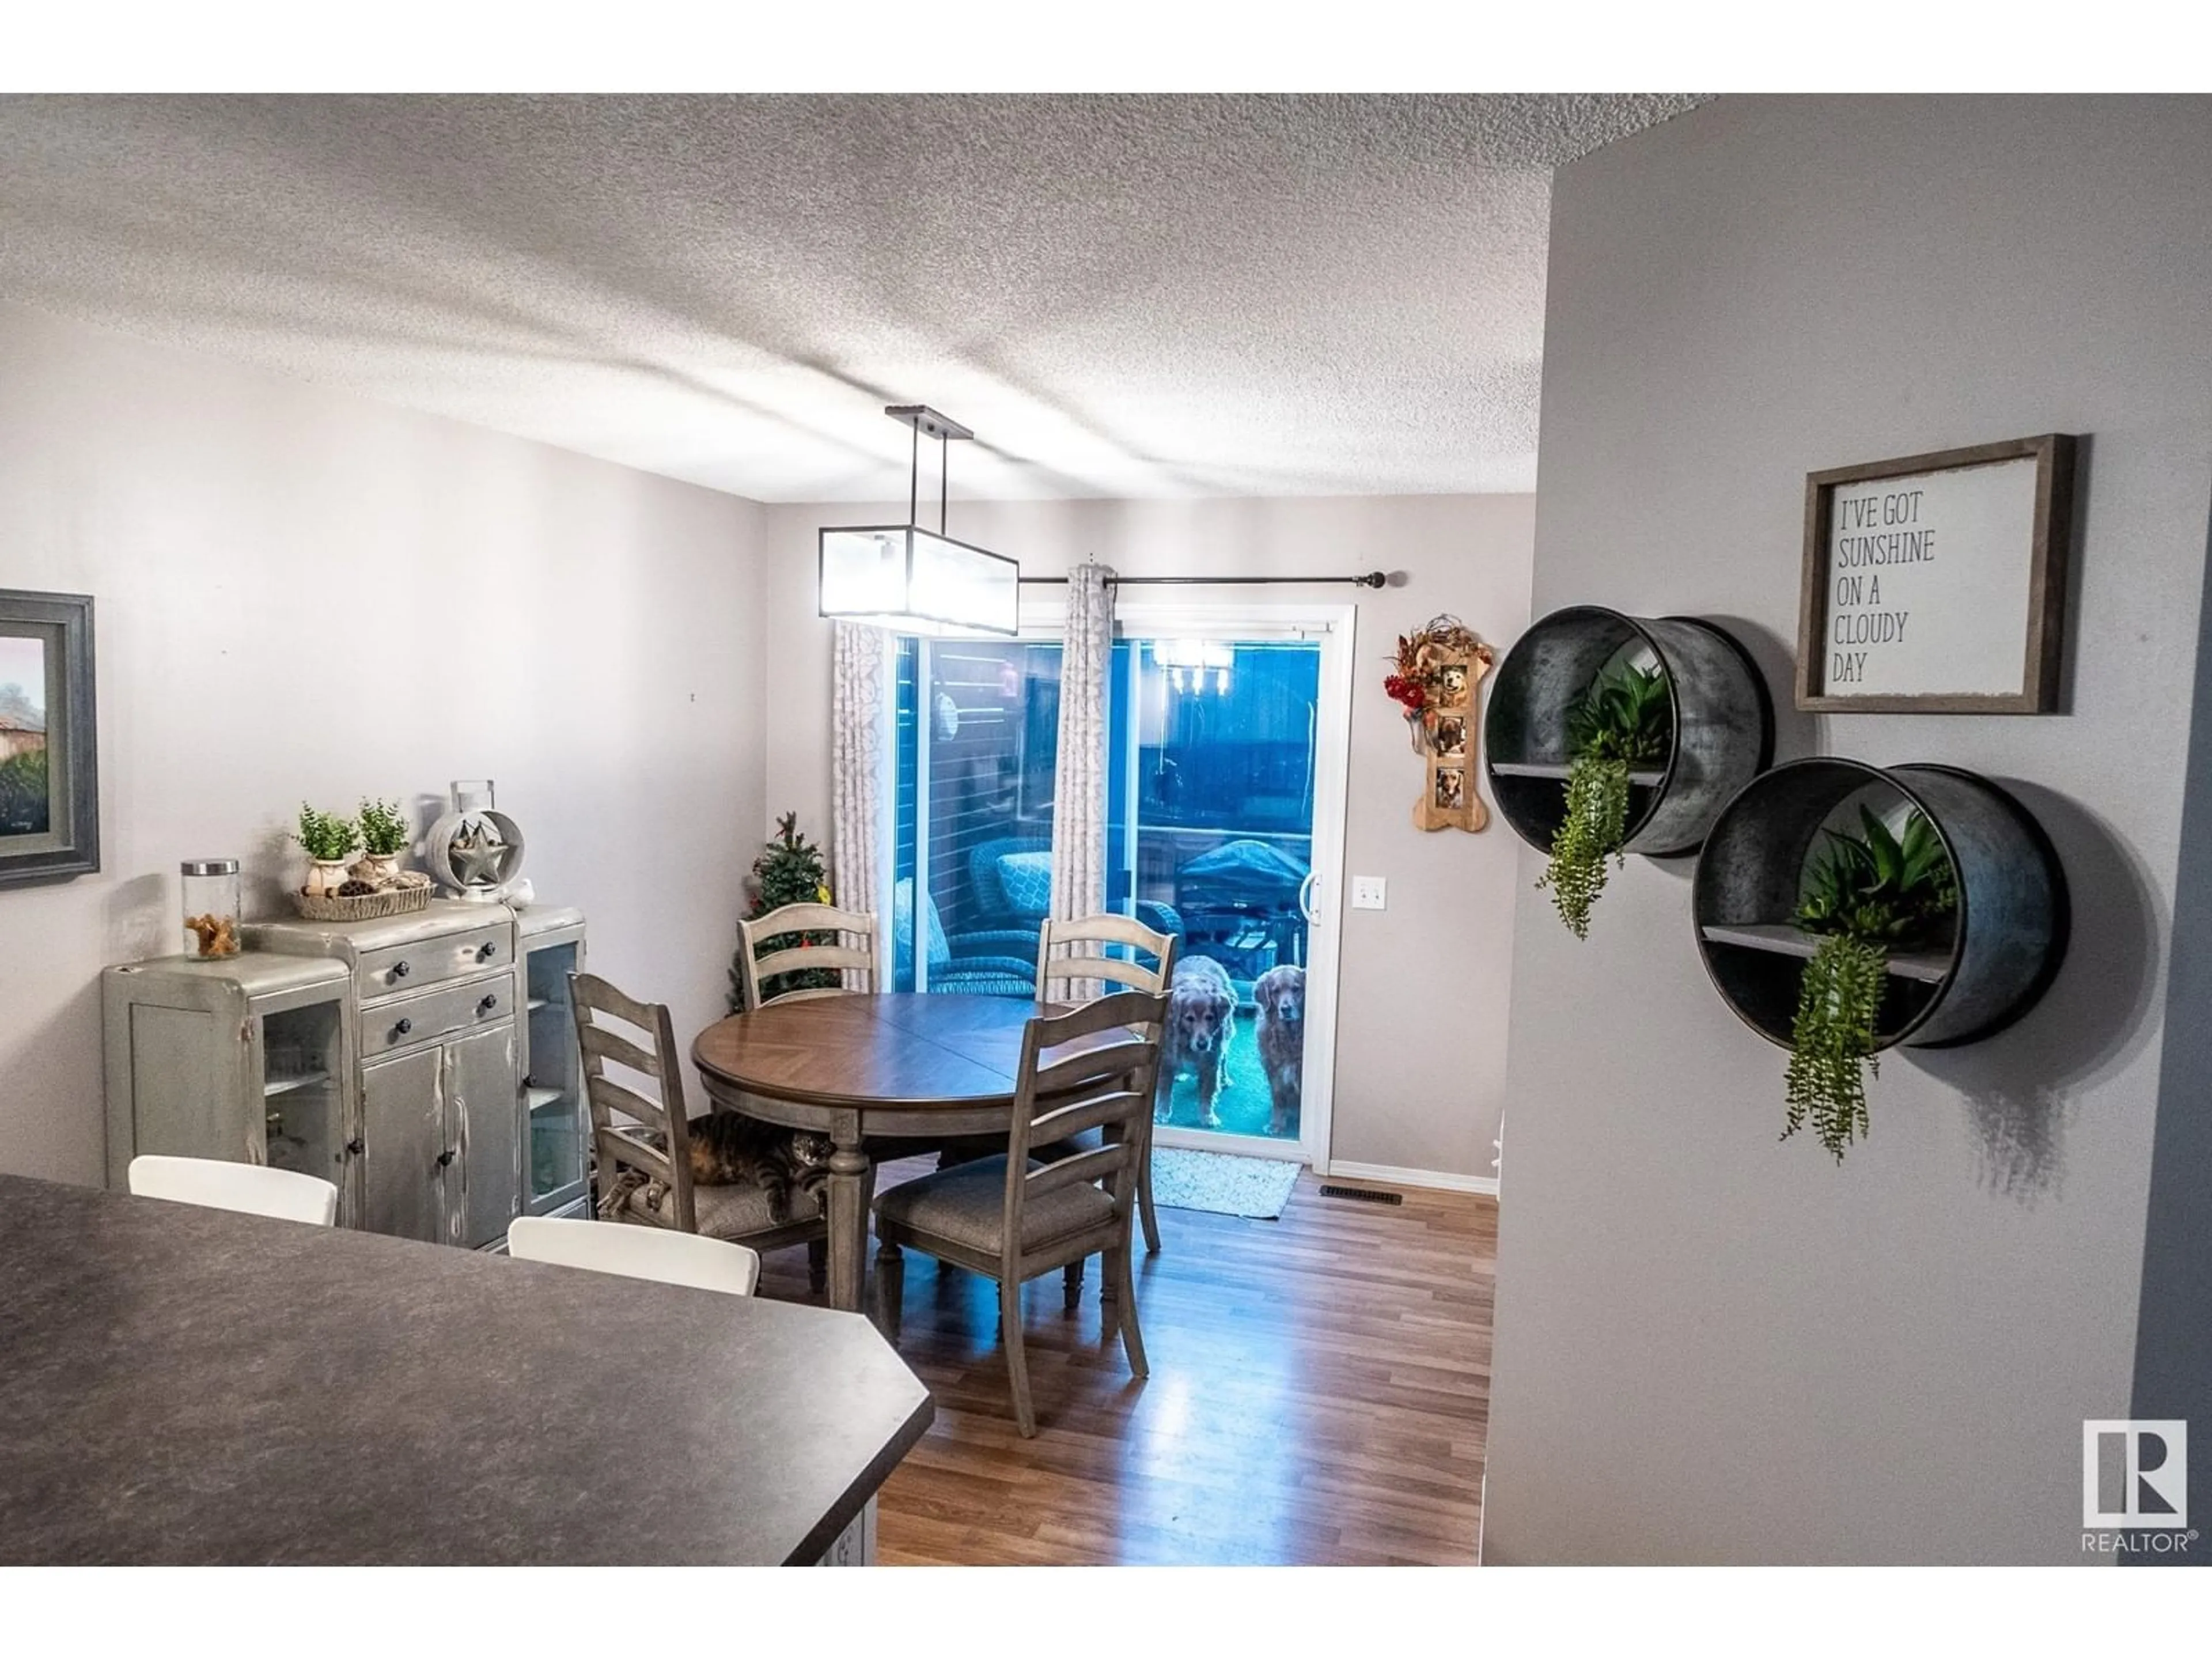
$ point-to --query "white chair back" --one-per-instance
(655, 1253)
(213, 1184)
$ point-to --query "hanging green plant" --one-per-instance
(1867, 895)
(1624, 720)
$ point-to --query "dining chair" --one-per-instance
(703, 1264)
(1072, 965)
(642, 1143)
(851, 960)
(286, 1194)
(1012, 1216)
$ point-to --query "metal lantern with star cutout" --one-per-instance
(474, 850)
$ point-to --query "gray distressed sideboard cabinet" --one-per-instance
(425, 1064)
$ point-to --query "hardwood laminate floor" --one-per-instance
(1319, 1393)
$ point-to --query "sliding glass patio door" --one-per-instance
(1225, 805)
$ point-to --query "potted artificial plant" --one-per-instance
(328, 838)
(1624, 720)
(1867, 895)
(384, 837)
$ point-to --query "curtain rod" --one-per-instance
(1372, 579)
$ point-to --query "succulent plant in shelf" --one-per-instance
(1624, 720)
(1866, 895)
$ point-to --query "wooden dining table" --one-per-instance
(861, 1069)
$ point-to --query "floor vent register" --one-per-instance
(1364, 1194)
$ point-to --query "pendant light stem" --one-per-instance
(944, 480)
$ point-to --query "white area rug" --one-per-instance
(1222, 1183)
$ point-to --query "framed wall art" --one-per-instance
(49, 766)
(1936, 584)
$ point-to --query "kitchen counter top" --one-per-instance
(186, 1385)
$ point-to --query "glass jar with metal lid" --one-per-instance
(211, 889)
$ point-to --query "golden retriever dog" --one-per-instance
(1201, 1016)
(1281, 1030)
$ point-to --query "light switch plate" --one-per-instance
(1367, 892)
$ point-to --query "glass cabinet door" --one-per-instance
(303, 1099)
(553, 1097)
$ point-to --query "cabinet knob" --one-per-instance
(399, 970)
(402, 1028)
(488, 1005)
(487, 951)
(356, 1146)
(446, 1157)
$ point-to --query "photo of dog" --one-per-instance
(1281, 1030)
(1201, 1017)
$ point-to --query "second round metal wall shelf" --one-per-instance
(2008, 940)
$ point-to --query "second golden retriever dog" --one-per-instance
(1202, 1015)
(1281, 1030)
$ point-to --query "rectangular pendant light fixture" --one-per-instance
(913, 580)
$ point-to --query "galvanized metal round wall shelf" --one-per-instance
(1722, 723)
(2012, 916)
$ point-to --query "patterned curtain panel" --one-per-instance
(860, 673)
(1078, 799)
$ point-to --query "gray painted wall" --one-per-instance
(305, 593)
(1712, 1346)
(1420, 1069)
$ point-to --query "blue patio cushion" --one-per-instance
(1026, 880)
(983, 872)
(940, 949)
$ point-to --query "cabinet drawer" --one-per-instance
(398, 969)
(403, 1021)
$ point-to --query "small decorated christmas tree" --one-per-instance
(790, 870)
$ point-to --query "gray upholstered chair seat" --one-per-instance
(966, 1205)
(730, 1213)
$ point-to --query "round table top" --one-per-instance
(904, 1050)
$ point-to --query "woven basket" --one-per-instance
(364, 906)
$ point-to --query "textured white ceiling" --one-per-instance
(1124, 296)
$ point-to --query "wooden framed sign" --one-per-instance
(1936, 584)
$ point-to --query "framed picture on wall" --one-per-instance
(49, 768)
(1936, 584)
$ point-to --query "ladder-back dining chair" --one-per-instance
(853, 951)
(642, 1143)
(1013, 1218)
(1061, 962)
